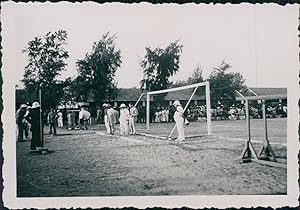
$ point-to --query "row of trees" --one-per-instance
(96, 71)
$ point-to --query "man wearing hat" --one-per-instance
(124, 120)
(179, 120)
(34, 119)
(19, 121)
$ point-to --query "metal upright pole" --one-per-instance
(248, 121)
(41, 117)
(148, 112)
(265, 119)
(208, 113)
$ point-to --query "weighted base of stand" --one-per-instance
(42, 151)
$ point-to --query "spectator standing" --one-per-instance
(26, 124)
(167, 114)
(99, 115)
(157, 115)
(60, 119)
(124, 119)
(105, 107)
(133, 113)
(71, 120)
(52, 119)
(163, 115)
(84, 117)
(110, 119)
(116, 113)
(19, 121)
(34, 119)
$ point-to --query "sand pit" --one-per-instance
(89, 163)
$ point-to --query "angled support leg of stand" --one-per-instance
(248, 152)
(266, 151)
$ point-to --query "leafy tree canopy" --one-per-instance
(159, 65)
(223, 84)
(196, 77)
(97, 70)
(46, 60)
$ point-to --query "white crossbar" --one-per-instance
(178, 88)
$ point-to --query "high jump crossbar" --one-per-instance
(207, 96)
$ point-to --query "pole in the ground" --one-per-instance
(148, 112)
(41, 117)
(208, 112)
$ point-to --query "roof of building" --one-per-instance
(129, 94)
(263, 91)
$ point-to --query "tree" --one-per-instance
(46, 60)
(196, 77)
(97, 70)
(222, 84)
(159, 65)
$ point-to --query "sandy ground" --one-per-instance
(91, 163)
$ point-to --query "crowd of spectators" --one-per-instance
(235, 112)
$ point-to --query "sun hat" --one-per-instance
(104, 105)
(176, 103)
(23, 106)
(35, 105)
(123, 106)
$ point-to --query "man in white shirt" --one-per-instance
(133, 113)
(179, 120)
(84, 116)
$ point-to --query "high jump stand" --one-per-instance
(266, 154)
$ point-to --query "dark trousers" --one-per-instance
(52, 126)
(83, 123)
(20, 128)
(36, 140)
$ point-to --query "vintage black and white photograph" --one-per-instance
(144, 101)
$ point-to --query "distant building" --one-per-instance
(263, 92)
(131, 95)
(127, 95)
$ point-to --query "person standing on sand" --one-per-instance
(133, 113)
(105, 107)
(19, 121)
(34, 119)
(52, 120)
(60, 120)
(124, 120)
(179, 120)
(111, 119)
(84, 117)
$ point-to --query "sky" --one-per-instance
(259, 41)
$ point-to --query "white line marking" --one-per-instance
(124, 138)
(254, 141)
